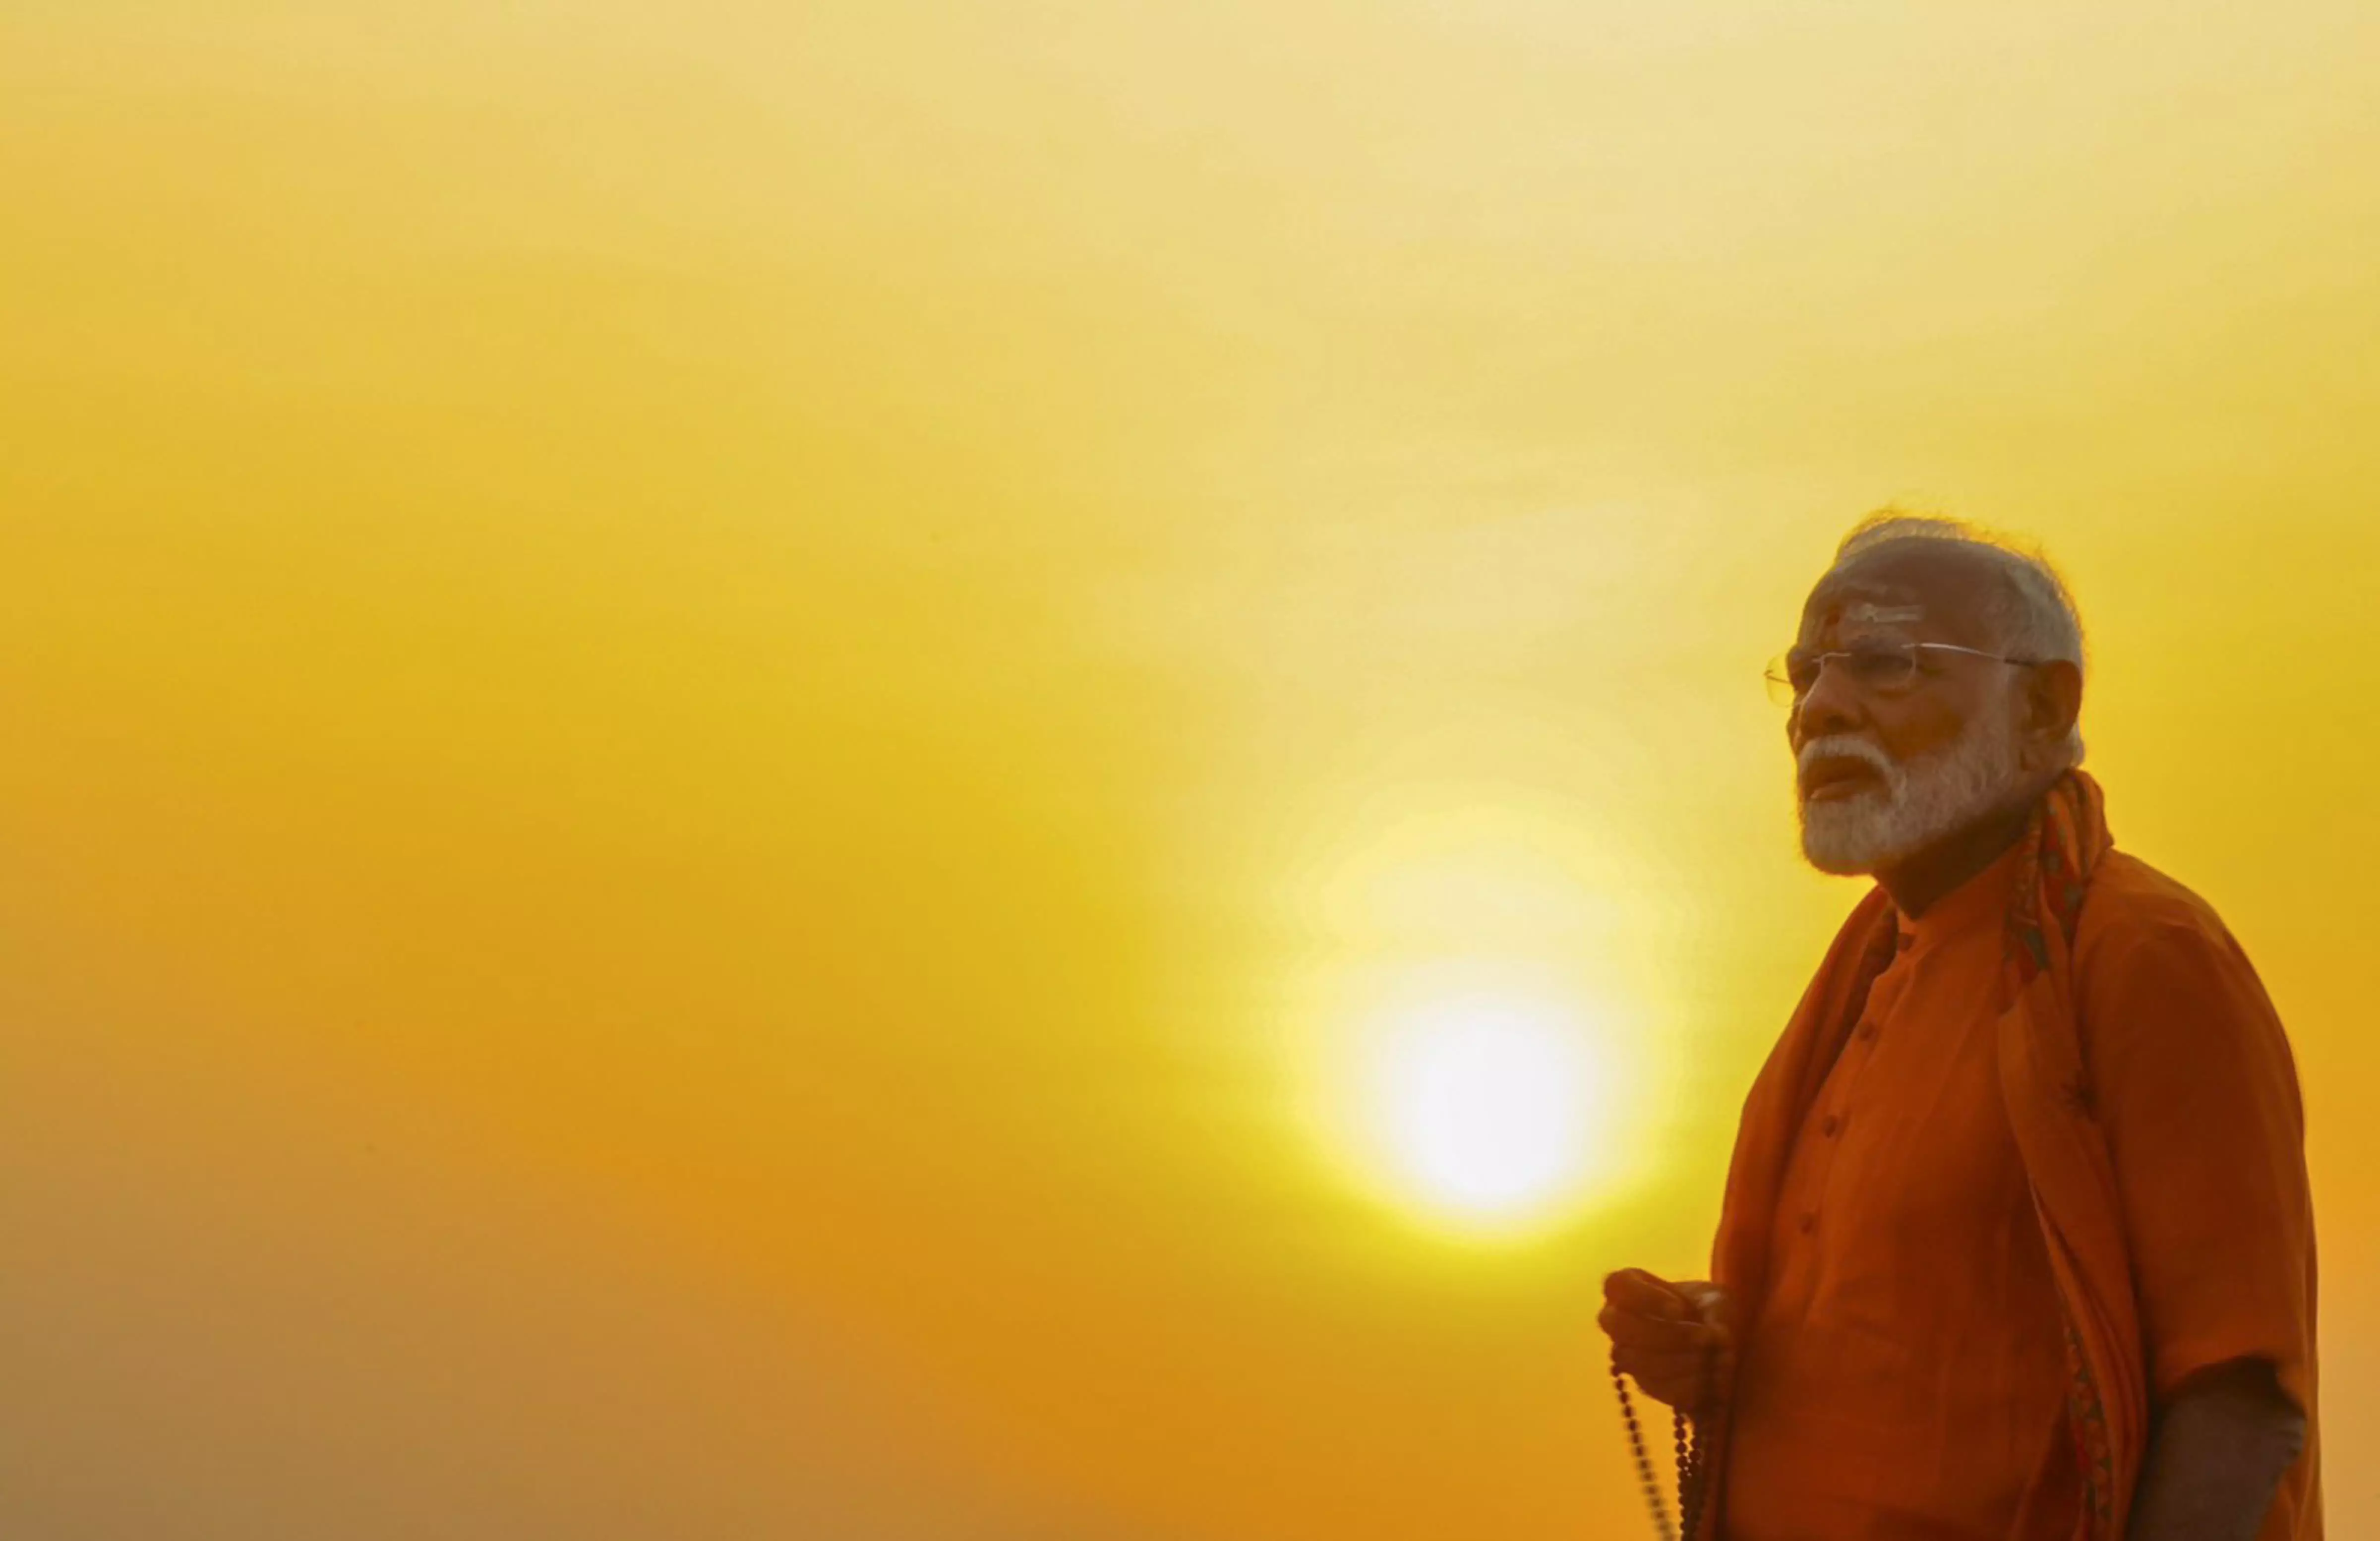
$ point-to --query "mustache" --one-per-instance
(1845, 746)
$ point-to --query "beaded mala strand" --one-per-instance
(1694, 1457)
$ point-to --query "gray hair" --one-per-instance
(2033, 613)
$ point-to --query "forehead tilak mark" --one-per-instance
(1882, 615)
(1862, 612)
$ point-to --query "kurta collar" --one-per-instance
(1979, 901)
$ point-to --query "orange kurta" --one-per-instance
(1905, 1372)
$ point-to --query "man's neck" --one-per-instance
(1920, 881)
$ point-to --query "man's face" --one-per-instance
(1882, 776)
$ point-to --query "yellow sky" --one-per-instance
(725, 719)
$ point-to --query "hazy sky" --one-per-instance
(731, 723)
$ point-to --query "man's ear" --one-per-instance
(2053, 699)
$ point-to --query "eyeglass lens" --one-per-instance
(1876, 668)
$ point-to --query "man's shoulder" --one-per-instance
(2165, 992)
(2131, 902)
(2144, 936)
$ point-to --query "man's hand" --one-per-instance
(1663, 1334)
(2220, 1448)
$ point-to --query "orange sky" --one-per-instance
(726, 722)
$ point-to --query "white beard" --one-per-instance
(1920, 803)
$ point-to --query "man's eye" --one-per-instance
(1878, 666)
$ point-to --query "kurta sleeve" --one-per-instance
(2194, 1085)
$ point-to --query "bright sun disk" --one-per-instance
(1486, 1107)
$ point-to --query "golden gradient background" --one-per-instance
(710, 710)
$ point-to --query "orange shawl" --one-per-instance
(2064, 1150)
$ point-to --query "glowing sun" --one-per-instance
(1487, 1108)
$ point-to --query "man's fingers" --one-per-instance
(1653, 1334)
(1659, 1368)
(1658, 1354)
(1674, 1340)
(1679, 1381)
(1710, 1304)
(1635, 1290)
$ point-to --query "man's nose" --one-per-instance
(1833, 705)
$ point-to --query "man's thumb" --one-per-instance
(1711, 1304)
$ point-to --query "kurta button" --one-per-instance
(1834, 1121)
(1809, 1223)
(1867, 1031)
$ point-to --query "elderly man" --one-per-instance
(2016, 1242)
